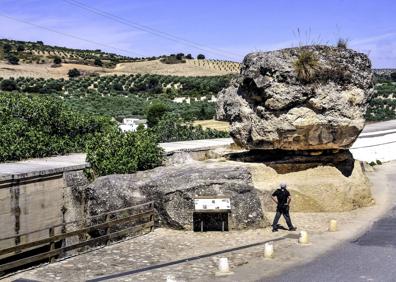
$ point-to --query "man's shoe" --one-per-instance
(274, 230)
(293, 229)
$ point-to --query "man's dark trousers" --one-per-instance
(285, 212)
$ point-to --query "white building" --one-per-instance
(131, 124)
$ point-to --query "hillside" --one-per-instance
(40, 53)
(121, 86)
(189, 68)
(36, 59)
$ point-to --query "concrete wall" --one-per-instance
(32, 203)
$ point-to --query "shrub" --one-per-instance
(306, 65)
(155, 112)
(13, 60)
(172, 60)
(8, 85)
(201, 57)
(57, 60)
(179, 56)
(372, 163)
(7, 48)
(342, 43)
(20, 48)
(98, 62)
(118, 152)
(188, 56)
(34, 126)
(378, 162)
(393, 76)
(117, 86)
(73, 73)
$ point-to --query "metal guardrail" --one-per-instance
(115, 224)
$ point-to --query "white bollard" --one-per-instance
(224, 267)
(303, 239)
(333, 225)
(268, 250)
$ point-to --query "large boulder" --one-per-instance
(307, 98)
(173, 189)
(318, 189)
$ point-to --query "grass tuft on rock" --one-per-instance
(342, 43)
(306, 65)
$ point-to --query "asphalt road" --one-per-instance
(380, 126)
(372, 257)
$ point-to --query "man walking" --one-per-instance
(282, 199)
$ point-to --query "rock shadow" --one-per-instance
(283, 161)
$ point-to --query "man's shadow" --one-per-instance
(279, 226)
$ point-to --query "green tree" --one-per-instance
(179, 56)
(119, 152)
(393, 76)
(155, 112)
(36, 126)
(7, 48)
(201, 57)
(8, 85)
(20, 48)
(98, 62)
(13, 60)
(57, 60)
(73, 73)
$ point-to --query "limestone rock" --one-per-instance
(320, 189)
(271, 106)
(173, 189)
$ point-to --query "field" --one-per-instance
(126, 95)
(383, 104)
(213, 124)
(45, 70)
(190, 68)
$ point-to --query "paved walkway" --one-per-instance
(183, 255)
(196, 144)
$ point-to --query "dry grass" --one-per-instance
(156, 67)
(213, 124)
(306, 65)
(43, 70)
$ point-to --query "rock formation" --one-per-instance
(307, 98)
(319, 189)
(173, 189)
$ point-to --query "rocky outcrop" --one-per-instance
(319, 189)
(308, 98)
(173, 189)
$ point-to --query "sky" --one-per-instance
(220, 29)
